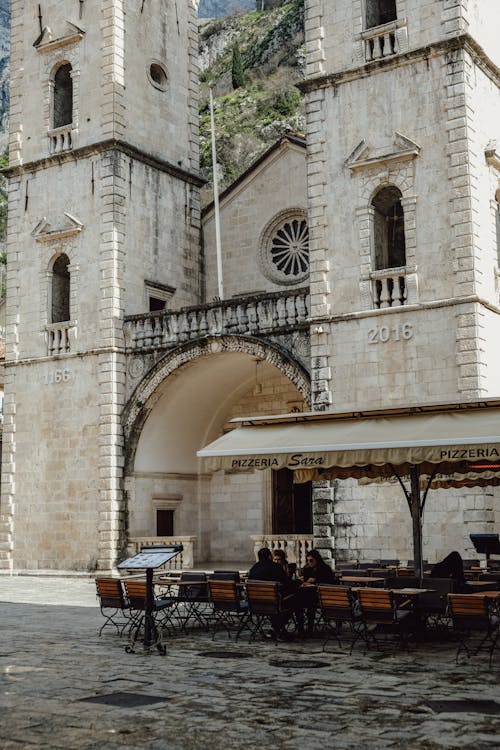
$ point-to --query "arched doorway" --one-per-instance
(167, 488)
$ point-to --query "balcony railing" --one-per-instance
(383, 41)
(61, 139)
(253, 316)
(296, 546)
(57, 336)
(183, 561)
(394, 287)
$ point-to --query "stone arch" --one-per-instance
(145, 394)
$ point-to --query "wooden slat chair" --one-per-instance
(163, 610)
(266, 603)
(338, 605)
(474, 614)
(379, 613)
(113, 603)
(229, 610)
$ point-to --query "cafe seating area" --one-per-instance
(375, 604)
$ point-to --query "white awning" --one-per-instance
(453, 435)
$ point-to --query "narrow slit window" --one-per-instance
(60, 290)
(63, 96)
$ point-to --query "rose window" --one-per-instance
(284, 248)
(289, 248)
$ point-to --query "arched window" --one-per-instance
(63, 97)
(389, 229)
(60, 290)
(379, 12)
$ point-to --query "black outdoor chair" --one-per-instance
(225, 575)
(113, 603)
(194, 599)
(229, 609)
(338, 605)
(474, 614)
(162, 613)
(432, 606)
(266, 603)
(379, 615)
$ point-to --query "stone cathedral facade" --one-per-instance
(363, 276)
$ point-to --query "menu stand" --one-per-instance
(486, 544)
(148, 559)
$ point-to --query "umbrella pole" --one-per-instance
(416, 517)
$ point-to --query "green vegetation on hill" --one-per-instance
(249, 118)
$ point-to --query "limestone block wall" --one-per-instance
(482, 21)
(374, 521)
(274, 188)
(55, 510)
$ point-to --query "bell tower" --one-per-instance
(403, 158)
(103, 222)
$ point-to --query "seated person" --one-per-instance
(267, 570)
(315, 571)
(279, 557)
(452, 567)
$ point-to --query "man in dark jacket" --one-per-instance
(267, 570)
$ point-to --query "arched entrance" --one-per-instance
(187, 400)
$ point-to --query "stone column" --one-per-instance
(323, 525)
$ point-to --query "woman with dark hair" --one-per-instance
(315, 571)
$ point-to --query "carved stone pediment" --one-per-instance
(44, 232)
(48, 40)
(365, 156)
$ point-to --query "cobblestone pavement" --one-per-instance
(51, 659)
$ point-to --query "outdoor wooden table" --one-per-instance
(481, 585)
(360, 580)
(489, 594)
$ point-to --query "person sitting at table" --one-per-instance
(452, 567)
(315, 571)
(279, 557)
(265, 569)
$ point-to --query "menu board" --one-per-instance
(153, 558)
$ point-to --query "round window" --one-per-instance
(158, 75)
(285, 256)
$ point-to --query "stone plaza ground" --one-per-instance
(51, 660)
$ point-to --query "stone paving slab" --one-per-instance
(51, 658)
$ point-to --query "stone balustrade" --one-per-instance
(253, 316)
(394, 287)
(183, 561)
(58, 338)
(296, 546)
(385, 40)
(61, 139)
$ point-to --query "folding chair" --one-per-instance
(137, 594)
(111, 597)
(194, 599)
(471, 613)
(379, 612)
(338, 605)
(228, 607)
(267, 603)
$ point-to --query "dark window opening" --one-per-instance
(292, 504)
(164, 523)
(379, 12)
(156, 304)
(63, 97)
(389, 229)
(60, 290)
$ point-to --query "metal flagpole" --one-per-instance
(218, 248)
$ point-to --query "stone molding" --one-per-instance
(141, 402)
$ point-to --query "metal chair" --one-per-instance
(338, 605)
(194, 599)
(379, 613)
(111, 597)
(161, 615)
(267, 603)
(469, 614)
(229, 609)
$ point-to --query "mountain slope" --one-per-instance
(250, 118)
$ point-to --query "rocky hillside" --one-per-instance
(254, 60)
